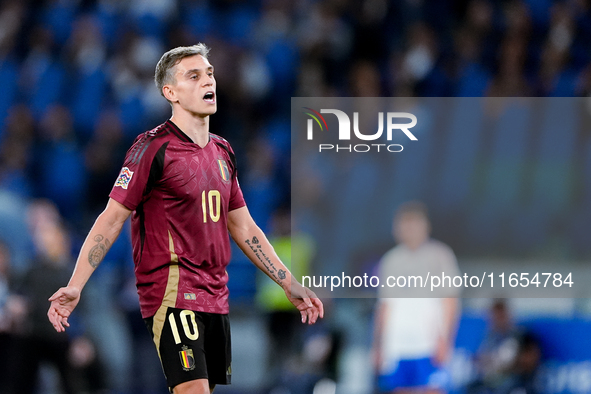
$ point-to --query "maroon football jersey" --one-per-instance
(180, 195)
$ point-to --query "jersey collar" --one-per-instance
(178, 132)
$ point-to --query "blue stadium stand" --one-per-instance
(356, 207)
(580, 216)
(87, 100)
(59, 18)
(403, 176)
(49, 92)
(464, 139)
(504, 174)
(552, 181)
(8, 84)
(455, 185)
(565, 346)
(242, 277)
(473, 82)
(411, 168)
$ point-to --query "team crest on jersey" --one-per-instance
(224, 172)
(187, 359)
(124, 177)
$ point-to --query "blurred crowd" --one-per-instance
(76, 75)
(76, 78)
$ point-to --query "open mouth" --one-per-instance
(209, 97)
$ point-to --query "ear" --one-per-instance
(169, 93)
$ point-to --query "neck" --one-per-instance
(196, 127)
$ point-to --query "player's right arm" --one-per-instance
(104, 232)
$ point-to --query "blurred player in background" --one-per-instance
(509, 355)
(414, 336)
(179, 183)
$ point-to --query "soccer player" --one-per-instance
(179, 184)
(414, 336)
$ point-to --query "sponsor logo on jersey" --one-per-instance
(190, 296)
(224, 172)
(124, 178)
(187, 359)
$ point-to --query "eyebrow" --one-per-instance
(197, 70)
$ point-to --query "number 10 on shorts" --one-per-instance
(188, 323)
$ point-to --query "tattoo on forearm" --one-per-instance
(97, 252)
(255, 246)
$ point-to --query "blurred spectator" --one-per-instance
(42, 74)
(510, 80)
(61, 170)
(260, 189)
(86, 54)
(76, 64)
(12, 314)
(102, 158)
(87, 373)
(365, 80)
(524, 372)
(498, 350)
(508, 358)
(37, 341)
(15, 151)
(284, 333)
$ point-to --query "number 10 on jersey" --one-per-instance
(211, 199)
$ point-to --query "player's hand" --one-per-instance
(63, 303)
(308, 303)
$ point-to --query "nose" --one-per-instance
(209, 80)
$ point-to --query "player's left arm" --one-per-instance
(255, 245)
(451, 311)
(451, 308)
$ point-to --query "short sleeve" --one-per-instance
(448, 261)
(131, 186)
(386, 267)
(236, 196)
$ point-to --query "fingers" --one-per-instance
(55, 319)
(316, 301)
(319, 305)
(312, 315)
(307, 302)
(59, 320)
(311, 308)
(316, 304)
